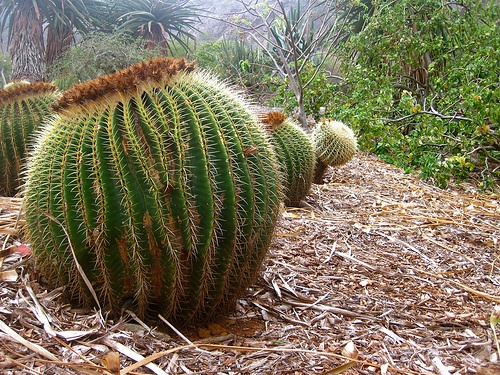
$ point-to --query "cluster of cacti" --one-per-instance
(24, 107)
(162, 185)
(335, 144)
(295, 153)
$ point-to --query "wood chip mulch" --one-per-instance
(377, 273)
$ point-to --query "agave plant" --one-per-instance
(159, 22)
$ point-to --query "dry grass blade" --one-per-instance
(133, 355)
(477, 292)
(34, 347)
(78, 266)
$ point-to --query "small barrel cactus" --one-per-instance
(335, 144)
(161, 184)
(295, 153)
(24, 106)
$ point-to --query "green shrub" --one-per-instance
(316, 95)
(96, 55)
(423, 89)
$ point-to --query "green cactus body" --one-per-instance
(335, 144)
(24, 107)
(295, 153)
(149, 179)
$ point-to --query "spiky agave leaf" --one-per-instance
(146, 170)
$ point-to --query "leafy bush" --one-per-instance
(423, 89)
(97, 55)
(317, 94)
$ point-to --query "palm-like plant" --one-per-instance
(159, 22)
(25, 38)
(64, 17)
(24, 20)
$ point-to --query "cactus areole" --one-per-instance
(145, 181)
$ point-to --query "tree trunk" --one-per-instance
(26, 45)
(154, 38)
(58, 40)
(302, 112)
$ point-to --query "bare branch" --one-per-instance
(432, 112)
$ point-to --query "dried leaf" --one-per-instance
(32, 346)
(489, 369)
(8, 276)
(112, 362)
(340, 369)
(24, 250)
(74, 335)
(350, 351)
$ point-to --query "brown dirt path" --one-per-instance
(404, 272)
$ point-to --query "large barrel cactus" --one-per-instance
(162, 185)
(295, 153)
(335, 144)
(23, 108)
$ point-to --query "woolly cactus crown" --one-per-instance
(123, 83)
(17, 91)
(273, 120)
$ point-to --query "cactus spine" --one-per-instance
(295, 153)
(24, 106)
(149, 172)
(335, 144)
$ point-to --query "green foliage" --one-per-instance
(317, 94)
(24, 107)
(237, 61)
(96, 55)
(163, 186)
(422, 89)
